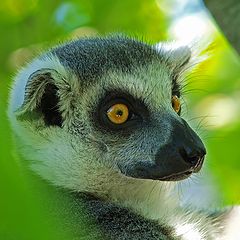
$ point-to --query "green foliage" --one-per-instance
(18, 207)
(27, 26)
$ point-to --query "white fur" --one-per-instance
(232, 228)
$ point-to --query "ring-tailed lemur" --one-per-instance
(100, 118)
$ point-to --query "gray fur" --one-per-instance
(75, 152)
(91, 58)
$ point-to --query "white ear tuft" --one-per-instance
(175, 55)
(180, 56)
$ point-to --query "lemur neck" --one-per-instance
(156, 200)
(149, 198)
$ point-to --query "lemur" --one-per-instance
(100, 119)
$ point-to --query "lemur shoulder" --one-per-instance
(100, 119)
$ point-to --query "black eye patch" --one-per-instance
(176, 87)
(137, 111)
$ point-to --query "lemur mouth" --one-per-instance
(176, 176)
(155, 172)
(185, 174)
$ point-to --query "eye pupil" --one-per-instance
(119, 113)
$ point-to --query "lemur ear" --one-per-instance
(174, 55)
(42, 97)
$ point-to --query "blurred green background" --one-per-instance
(211, 102)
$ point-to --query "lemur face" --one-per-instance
(105, 105)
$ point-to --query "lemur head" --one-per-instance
(96, 108)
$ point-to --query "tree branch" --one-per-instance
(227, 16)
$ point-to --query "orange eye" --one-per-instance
(118, 113)
(176, 104)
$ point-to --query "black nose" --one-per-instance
(193, 156)
(190, 146)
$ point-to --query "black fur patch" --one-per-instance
(49, 106)
(119, 223)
